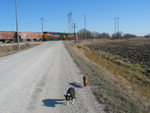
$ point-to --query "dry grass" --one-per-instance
(129, 73)
(128, 76)
(7, 49)
(109, 86)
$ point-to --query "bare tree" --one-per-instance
(84, 34)
(96, 35)
(105, 35)
(117, 35)
(129, 36)
(147, 36)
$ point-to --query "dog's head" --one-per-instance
(68, 97)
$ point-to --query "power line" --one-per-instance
(116, 24)
(70, 21)
(84, 21)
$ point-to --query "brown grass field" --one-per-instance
(8, 49)
(119, 71)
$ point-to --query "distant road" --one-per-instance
(35, 81)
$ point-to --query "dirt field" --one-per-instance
(130, 60)
(121, 83)
(134, 50)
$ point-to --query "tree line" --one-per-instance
(86, 34)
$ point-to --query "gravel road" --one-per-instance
(35, 81)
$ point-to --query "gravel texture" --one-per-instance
(35, 81)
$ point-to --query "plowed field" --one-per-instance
(135, 50)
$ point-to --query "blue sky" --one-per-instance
(134, 15)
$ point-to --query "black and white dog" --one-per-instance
(70, 95)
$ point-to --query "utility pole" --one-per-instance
(70, 21)
(74, 27)
(84, 25)
(84, 21)
(42, 24)
(118, 23)
(16, 9)
(116, 26)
